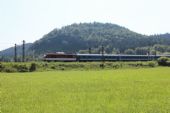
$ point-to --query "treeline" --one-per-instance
(156, 49)
(152, 50)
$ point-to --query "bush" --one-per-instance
(1, 67)
(32, 67)
(116, 66)
(163, 61)
(136, 64)
(168, 63)
(53, 67)
(22, 68)
(152, 64)
(62, 68)
(102, 65)
(9, 70)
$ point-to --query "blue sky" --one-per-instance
(31, 19)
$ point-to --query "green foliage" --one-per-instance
(164, 61)
(22, 68)
(106, 91)
(115, 51)
(44, 66)
(79, 37)
(32, 67)
(83, 51)
(130, 52)
(10, 51)
(141, 51)
(168, 49)
(9, 70)
(1, 67)
(160, 48)
(152, 64)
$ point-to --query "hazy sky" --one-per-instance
(31, 19)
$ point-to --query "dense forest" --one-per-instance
(78, 38)
(115, 39)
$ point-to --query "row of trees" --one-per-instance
(156, 49)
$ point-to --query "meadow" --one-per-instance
(143, 90)
(11, 67)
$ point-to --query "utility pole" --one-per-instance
(102, 50)
(15, 53)
(155, 55)
(89, 50)
(148, 54)
(33, 56)
(103, 59)
(119, 56)
(103, 53)
(23, 51)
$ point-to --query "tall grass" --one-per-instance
(110, 91)
(45, 66)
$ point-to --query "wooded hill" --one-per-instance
(8, 53)
(80, 37)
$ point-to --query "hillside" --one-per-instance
(80, 37)
(76, 37)
(10, 51)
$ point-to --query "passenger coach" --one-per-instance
(99, 57)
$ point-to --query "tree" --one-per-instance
(32, 67)
(83, 51)
(129, 51)
(164, 61)
(168, 49)
(141, 51)
(160, 48)
(115, 51)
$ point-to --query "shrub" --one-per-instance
(163, 61)
(136, 64)
(139, 64)
(45, 65)
(116, 66)
(152, 64)
(168, 63)
(9, 70)
(53, 67)
(62, 68)
(1, 67)
(32, 67)
(22, 68)
(102, 65)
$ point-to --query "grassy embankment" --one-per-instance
(144, 90)
(45, 66)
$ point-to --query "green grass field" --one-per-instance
(144, 90)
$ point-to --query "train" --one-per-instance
(98, 57)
